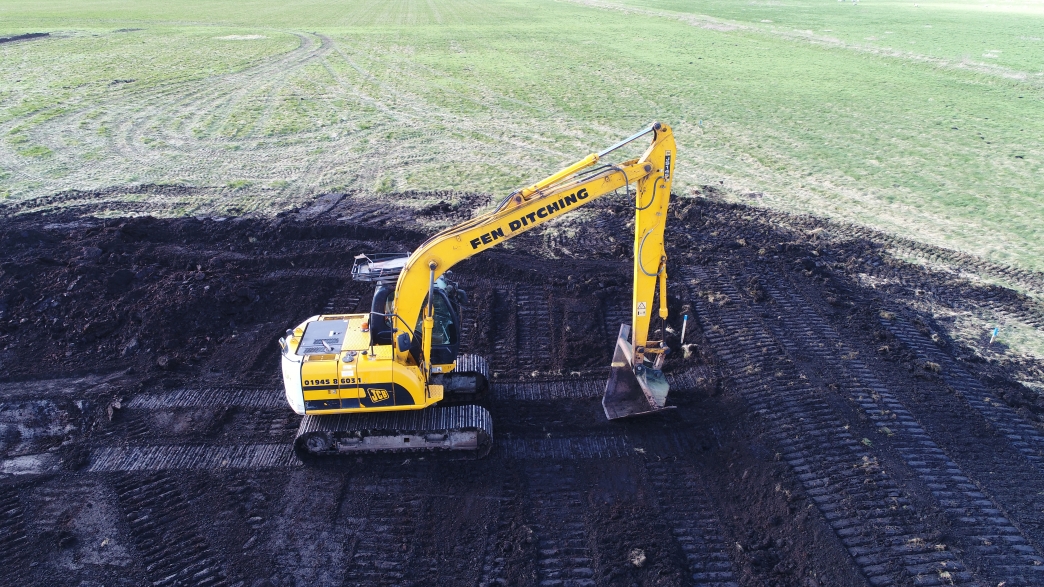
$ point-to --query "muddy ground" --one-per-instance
(829, 430)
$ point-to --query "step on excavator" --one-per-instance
(392, 380)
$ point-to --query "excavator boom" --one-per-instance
(634, 386)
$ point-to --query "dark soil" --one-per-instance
(23, 37)
(827, 432)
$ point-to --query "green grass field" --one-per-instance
(921, 118)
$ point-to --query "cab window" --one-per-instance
(445, 332)
(445, 329)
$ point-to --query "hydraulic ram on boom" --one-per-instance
(360, 379)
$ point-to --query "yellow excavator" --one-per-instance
(371, 382)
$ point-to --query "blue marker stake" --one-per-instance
(995, 331)
(685, 323)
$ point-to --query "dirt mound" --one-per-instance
(161, 296)
(175, 298)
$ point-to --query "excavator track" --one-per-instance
(467, 383)
(465, 429)
(471, 364)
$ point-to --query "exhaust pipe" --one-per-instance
(632, 390)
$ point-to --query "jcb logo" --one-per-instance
(377, 394)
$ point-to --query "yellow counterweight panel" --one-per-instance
(319, 379)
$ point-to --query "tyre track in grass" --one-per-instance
(902, 247)
(212, 98)
(407, 108)
(889, 539)
(153, 113)
(986, 530)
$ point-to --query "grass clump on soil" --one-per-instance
(924, 121)
(35, 151)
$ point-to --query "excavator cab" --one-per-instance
(384, 269)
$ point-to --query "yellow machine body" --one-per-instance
(351, 376)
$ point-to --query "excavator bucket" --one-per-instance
(632, 391)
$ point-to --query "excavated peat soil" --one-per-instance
(826, 433)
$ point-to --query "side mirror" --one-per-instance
(403, 342)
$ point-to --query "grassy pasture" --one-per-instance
(920, 118)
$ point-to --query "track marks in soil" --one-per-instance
(558, 512)
(13, 540)
(1023, 435)
(630, 542)
(460, 498)
(395, 517)
(523, 340)
(694, 526)
(210, 396)
(889, 503)
(587, 447)
(871, 515)
(197, 429)
(244, 521)
(310, 542)
(168, 539)
(549, 390)
(510, 543)
(505, 328)
(190, 457)
(988, 534)
(77, 520)
(385, 537)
